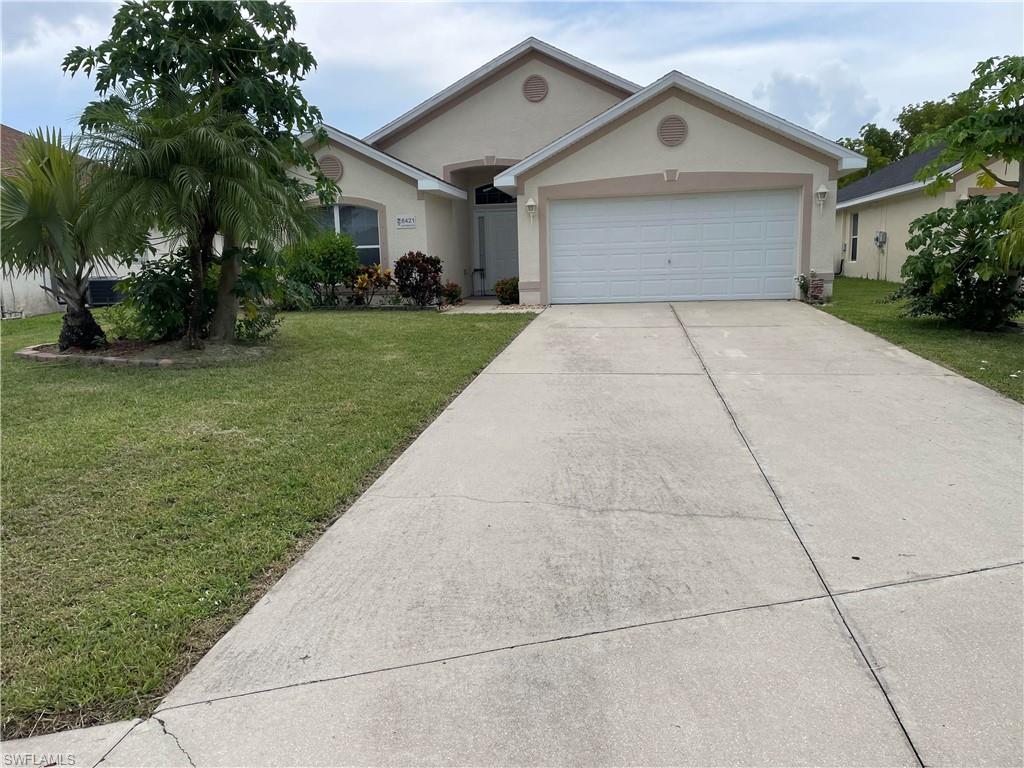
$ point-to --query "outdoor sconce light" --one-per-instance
(820, 196)
(531, 208)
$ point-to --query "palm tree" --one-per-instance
(47, 227)
(193, 171)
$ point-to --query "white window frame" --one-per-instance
(854, 235)
(337, 227)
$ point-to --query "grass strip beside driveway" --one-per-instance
(145, 510)
(994, 359)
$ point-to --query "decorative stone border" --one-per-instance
(42, 353)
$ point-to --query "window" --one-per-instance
(488, 194)
(854, 224)
(360, 223)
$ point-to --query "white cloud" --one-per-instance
(828, 103)
(828, 66)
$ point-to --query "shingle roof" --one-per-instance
(893, 175)
(10, 138)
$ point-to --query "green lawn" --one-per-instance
(993, 359)
(144, 510)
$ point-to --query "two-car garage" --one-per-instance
(728, 245)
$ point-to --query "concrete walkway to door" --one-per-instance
(692, 534)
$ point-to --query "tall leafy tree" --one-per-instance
(917, 120)
(993, 130)
(239, 55)
(879, 145)
(47, 226)
(192, 170)
(882, 146)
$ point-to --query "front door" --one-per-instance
(497, 247)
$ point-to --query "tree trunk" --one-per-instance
(222, 327)
(193, 335)
(80, 330)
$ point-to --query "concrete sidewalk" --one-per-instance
(717, 533)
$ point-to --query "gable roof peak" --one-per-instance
(621, 84)
(847, 159)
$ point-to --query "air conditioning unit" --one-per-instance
(103, 291)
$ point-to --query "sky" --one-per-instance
(828, 66)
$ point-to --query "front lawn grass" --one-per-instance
(993, 359)
(145, 510)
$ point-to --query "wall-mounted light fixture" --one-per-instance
(820, 196)
(531, 208)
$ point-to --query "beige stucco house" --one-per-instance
(873, 214)
(591, 188)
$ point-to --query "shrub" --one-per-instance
(367, 282)
(124, 321)
(451, 293)
(160, 291)
(320, 265)
(956, 269)
(257, 325)
(507, 290)
(418, 278)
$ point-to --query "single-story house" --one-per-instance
(591, 188)
(873, 214)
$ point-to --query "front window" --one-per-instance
(358, 222)
(854, 224)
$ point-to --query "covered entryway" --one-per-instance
(729, 245)
(495, 238)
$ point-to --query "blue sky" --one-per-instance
(827, 66)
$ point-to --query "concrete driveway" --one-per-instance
(691, 534)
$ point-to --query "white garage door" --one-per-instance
(733, 245)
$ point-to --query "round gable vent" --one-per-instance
(535, 88)
(332, 167)
(672, 131)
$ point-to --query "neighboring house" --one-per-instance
(886, 202)
(590, 188)
(22, 295)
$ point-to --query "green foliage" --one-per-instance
(257, 325)
(319, 266)
(160, 293)
(451, 293)
(1011, 247)
(367, 282)
(993, 129)
(916, 120)
(881, 146)
(956, 269)
(239, 56)
(49, 221)
(191, 171)
(124, 321)
(418, 278)
(507, 290)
